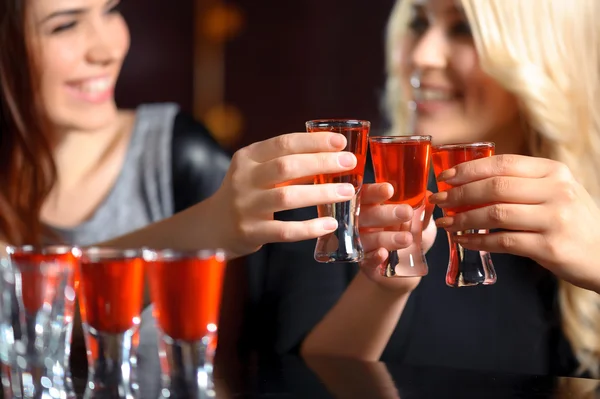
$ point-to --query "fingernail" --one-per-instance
(346, 159)
(400, 212)
(386, 189)
(337, 141)
(460, 239)
(447, 174)
(402, 238)
(330, 224)
(444, 222)
(345, 190)
(438, 198)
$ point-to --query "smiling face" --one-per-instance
(456, 101)
(78, 48)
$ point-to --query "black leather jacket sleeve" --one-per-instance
(199, 162)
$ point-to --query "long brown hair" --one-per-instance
(27, 169)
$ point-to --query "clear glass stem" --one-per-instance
(35, 330)
(111, 364)
(411, 263)
(35, 383)
(343, 245)
(187, 368)
(467, 267)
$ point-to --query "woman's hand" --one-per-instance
(543, 212)
(377, 241)
(371, 305)
(241, 212)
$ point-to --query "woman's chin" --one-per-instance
(92, 119)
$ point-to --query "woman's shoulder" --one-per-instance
(199, 163)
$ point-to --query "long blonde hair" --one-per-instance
(547, 53)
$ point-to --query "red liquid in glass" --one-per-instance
(112, 293)
(405, 166)
(301, 181)
(446, 158)
(41, 275)
(357, 138)
(187, 295)
(465, 267)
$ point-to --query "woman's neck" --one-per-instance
(88, 164)
(78, 153)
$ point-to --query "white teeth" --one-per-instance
(95, 86)
(433, 95)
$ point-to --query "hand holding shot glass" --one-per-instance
(343, 245)
(403, 161)
(466, 267)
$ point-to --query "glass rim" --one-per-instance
(400, 139)
(54, 249)
(168, 254)
(478, 144)
(99, 254)
(338, 121)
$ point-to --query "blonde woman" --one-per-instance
(524, 74)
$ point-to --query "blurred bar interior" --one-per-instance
(252, 70)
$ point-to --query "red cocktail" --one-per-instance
(111, 295)
(465, 267)
(186, 290)
(344, 244)
(403, 161)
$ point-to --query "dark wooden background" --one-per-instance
(289, 62)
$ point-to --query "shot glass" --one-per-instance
(186, 292)
(403, 161)
(343, 245)
(465, 267)
(111, 289)
(37, 304)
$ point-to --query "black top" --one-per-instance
(512, 326)
(274, 297)
(199, 164)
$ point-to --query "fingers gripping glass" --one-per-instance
(343, 245)
(465, 267)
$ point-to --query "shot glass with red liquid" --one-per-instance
(111, 291)
(37, 304)
(343, 245)
(403, 161)
(186, 291)
(465, 267)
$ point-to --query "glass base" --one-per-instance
(339, 257)
(468, 268)
(36, 383)
(111, 364)
(187, 368)
(343, 245)
(412, 263)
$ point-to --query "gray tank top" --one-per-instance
(142, 194)
(143, 191)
